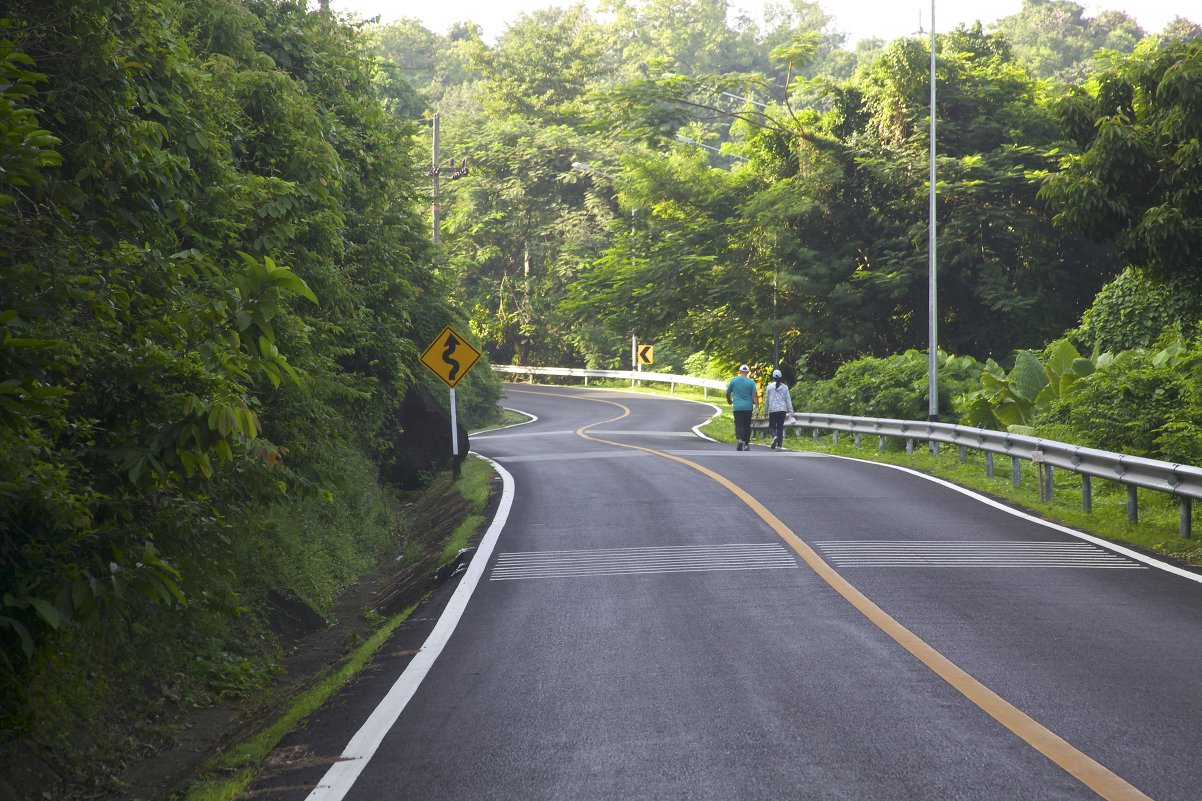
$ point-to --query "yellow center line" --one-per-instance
(1085, 769)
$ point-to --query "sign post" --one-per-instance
(450, 357)
(634, 356)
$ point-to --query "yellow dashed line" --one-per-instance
(1088, 771)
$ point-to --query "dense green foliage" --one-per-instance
(594, 210)
(807, 234)
(1143, 402)
(217, 275)
(893, 387)
(216, 282)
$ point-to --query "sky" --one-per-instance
(860, 19)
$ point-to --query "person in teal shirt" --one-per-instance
(743, 395)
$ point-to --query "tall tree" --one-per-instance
(1135, 183)
(1056, 40)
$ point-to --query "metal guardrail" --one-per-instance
(623, 375)
(1135, 472)
(1182, 481)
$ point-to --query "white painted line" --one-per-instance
(532, 419)
(653, 548)
(567, 457)
(1110, 546)
(792, 566)
(972, 553)
(640, 433)
(1027, 565)
(642, 561)
(627, 560)
(697, 428)
(337, 781)
(524, 567)
(503, 433)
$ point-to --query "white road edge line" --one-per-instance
(337, 781)
(1072, 532)
(532, 419)
(696, 428)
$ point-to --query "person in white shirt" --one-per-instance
(777, 403)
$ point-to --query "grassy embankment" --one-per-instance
(228, 775)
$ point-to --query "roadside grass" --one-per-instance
(508, 418)
(227, 775)
(474, 484)
(1155, 533)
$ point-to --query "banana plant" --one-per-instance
(1011, 401)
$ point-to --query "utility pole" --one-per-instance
(437, 212)
(434, 172)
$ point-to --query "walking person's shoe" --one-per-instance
(738, 444)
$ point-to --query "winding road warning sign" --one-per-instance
(450, 357)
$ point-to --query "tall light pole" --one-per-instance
(933, 332)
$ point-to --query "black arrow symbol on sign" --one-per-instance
(644, 354)
(451, 343)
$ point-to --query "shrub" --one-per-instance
(1143, 402)
(893, 387)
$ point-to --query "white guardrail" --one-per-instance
(622, 375)
(1182, 481)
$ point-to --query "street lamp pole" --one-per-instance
(933, 334)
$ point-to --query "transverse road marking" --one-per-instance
(642, 561)
(972, 553)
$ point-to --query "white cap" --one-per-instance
(776, 373)
(744, 369)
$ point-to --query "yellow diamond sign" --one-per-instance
(450, 357)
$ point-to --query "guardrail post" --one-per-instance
(881, 446)
(989, 464)
(835, 437)
(1187, 518)
(909, 447)
(857, 439)
(1132, 503)
(1016, 471)
(933, 444)
(1047, 482)
(814, 434)
(963, 453)
(1086, 494)
(586, 381)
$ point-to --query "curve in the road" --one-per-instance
(1084, 768)
(337, 781)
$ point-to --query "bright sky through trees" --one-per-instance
(860, 19)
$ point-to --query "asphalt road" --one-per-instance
(662, 617)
